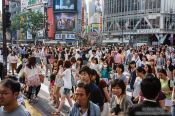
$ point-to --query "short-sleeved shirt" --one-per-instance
(161, 96)
(19, 111)
(67, 78)
(103, 84)
(123, 78)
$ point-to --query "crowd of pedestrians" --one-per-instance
(98, 80)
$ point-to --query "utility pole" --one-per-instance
(4, 39)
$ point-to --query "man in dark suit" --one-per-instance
(150, 88)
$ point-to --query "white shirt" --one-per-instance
(67, 78)
(85, 114)
(13, 59)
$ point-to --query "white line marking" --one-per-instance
(45, 88)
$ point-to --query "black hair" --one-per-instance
(81, 61)
(96, 60)
(85, 69)
(163, 71)
(121, 66)
(31, 62)
(67, 64)
(13, 77)
(149, 68)
(13, 85)
(94, 73)
(150, 87)
(144, 56)
(141, 70)
(129, 67)
(120, 51)
(84, 86)
(120, 83)
(73, 60)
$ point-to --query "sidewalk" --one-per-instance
(33, 111)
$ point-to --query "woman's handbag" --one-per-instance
(59, 81)
(41, 77)
(117, 109)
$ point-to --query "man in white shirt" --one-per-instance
(94, 55)
(136, 58)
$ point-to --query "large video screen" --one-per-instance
(65, 21)
(65, 5)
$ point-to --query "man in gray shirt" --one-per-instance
(9, 91)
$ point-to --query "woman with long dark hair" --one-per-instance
(132, 71)
(31, 73)
(104, 90)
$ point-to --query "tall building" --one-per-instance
(147, 21)
(94, 13)
(14, 7)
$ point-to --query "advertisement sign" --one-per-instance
(65, 21)
(98, 6)
(147, 31)
(58, 36)
(51, 26)
(70, 36)
(24, 4)
(65, 5)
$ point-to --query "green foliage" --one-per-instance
(15, 22)
(35, 21)
(31, 21)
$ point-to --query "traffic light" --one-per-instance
(7, 19)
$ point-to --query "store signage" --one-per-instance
(58, 36)
(147, 31)
(70, 36)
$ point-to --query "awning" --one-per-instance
(71, 40)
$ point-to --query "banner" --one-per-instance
(65, 5)
(65, 21)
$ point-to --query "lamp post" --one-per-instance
(4, 39)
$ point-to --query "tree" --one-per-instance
(29, 21)
(34, 22)
(15, 23)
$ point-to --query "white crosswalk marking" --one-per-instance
(45, 88)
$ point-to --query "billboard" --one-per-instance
(65, 21)
(51, 26)
(65, 5)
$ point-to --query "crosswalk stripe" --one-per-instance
(45, 88)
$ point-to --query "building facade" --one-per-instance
(36, 6)
(140, 20)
